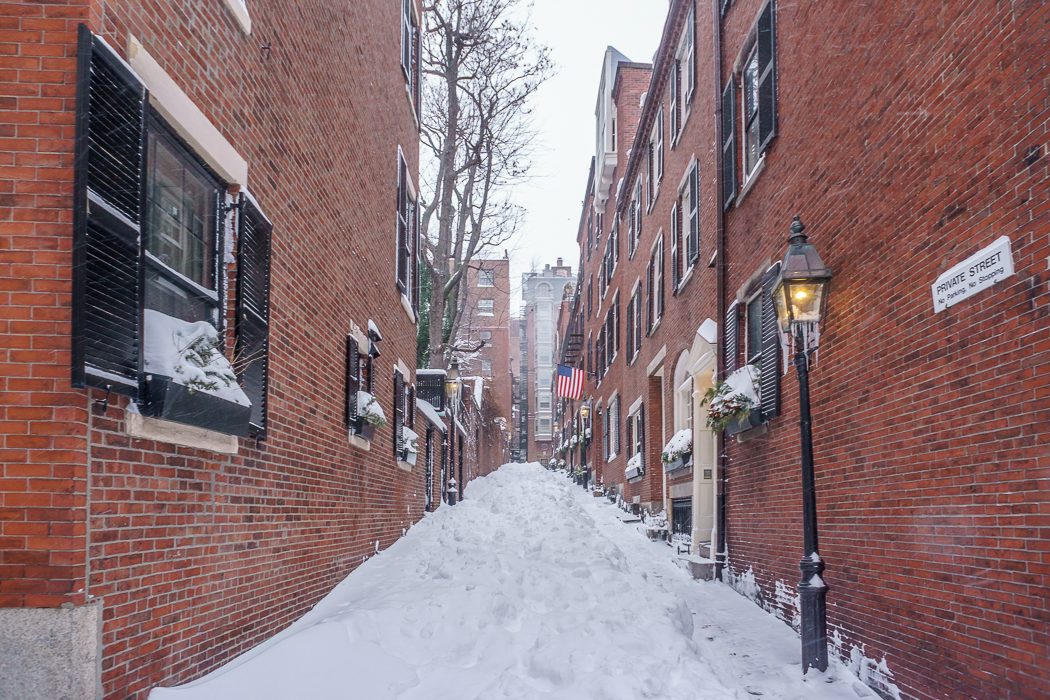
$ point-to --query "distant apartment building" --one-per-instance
(543, 293)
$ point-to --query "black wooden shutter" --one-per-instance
(767, 76)
(628, 425)
(694, 214)
(660, 290)
(638, 320)
(650, 292)
(769, 378)
(399, 418)
(353, 379)
(108, 186)
(410, 407)
(675, 254)
(730, 335)
(641, 434)
(725, 6)
(616, 325)
(253, 310)
(416, 253)
(728, 144)
(402, 224)
(617, 427)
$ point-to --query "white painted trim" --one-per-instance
(240, 13)
(406, 374)
(657, 360)
(360, 337)
(635, 406)
(750, 181)
(406, 304)
(139, 426)
(186, 118)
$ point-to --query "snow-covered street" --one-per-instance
(529, 588)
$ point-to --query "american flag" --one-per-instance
(570, 382)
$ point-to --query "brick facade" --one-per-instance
(197, 556)
(918, 140)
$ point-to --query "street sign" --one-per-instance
(976, 273)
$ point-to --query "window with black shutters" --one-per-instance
(354, 382)
(655, 285)
(758, 83)
(731, 336)
(399, 413)
(728, 127)
(769, 364)
(676, 249)
(407, 235)
(410, 51)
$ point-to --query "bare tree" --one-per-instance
(481, 68)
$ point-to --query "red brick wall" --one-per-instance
(904, 149)
(44, 439)
(498, 350)
(904, 155)
(197, 557)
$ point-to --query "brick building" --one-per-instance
(485, 330)
(543, 293)
(907, 141)
(181, 183)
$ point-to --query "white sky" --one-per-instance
(577, 31)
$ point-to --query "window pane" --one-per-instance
(181, 213)
(165, 296)
(754, 328)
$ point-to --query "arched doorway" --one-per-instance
(700, 369)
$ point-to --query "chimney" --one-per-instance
(559, 262)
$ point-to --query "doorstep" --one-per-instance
(626, 517)
(700, 568)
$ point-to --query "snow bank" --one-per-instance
(191, 355)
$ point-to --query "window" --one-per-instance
(148, 249)
(633, 338)
(686, 225)
(486, 368)
(404, 412)
(486, 278)
(181, 230)
(682, 80)
(543, 427)
(611, 429)
(654, 276)
(636, 434)
(485, 335)
(753, 324)
(614, 134)
(410, 51)
(407, 235)
(543, 400)
(359, 378)
(486, 307)
(590, 295)
(758, 83)
(598, 227)
(634, 220)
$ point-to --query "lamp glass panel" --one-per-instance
(805, 299)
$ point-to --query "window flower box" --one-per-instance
(369, 415)
(189, 379)
(410, 451)
(635, 469)
(678, 452)
(731, 403)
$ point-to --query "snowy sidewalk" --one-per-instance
(529, 588)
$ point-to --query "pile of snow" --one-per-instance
(190, 354)
(634, 467)
(528, 589)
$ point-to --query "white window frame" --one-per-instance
(613, 423)
(683, 214)
(656, 254)
(486, 278)
(489, 304)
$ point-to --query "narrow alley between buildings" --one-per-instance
(528, 588)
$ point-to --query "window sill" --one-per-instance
(360, 443)
(240, 14)
(137, 425)
(656, 326)
(685, 280)
(405, 466)
(406, 304)
(750, 181)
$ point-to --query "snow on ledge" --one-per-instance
(431, 413)
(190, 354)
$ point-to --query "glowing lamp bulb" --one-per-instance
(800, 295)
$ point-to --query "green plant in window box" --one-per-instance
(731, 401)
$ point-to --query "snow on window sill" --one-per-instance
(749, 182)
(240, 13)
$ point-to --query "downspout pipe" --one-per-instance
(719, 555)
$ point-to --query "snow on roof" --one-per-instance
(431, 414)
(431, 372)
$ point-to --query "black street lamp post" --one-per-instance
(585, 414)
(801, 298)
